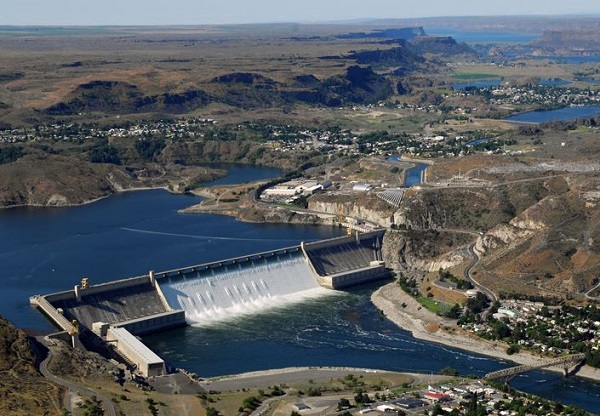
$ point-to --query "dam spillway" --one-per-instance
(241, 287)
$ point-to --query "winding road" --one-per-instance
(469, 276)
(107, 405)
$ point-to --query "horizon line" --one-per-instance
(351, 21)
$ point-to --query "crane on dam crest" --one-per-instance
(566, 362)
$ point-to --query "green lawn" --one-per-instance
(434, 305)
(471, 77)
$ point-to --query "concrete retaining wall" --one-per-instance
(342, 240)
(154, 323)
(117, 284)
(46, 307)
(353, 278)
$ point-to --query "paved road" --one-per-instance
(107, 405)
(488, 292)
(587, 294)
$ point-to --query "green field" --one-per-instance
(434, 305)
(472, 77)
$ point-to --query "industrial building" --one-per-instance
(292, 188)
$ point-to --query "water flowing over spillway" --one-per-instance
(251, 286)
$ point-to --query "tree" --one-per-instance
(500, 330)
(343, 404)
(211, 411)
(449, 371)
(454, 312)
(361, 397)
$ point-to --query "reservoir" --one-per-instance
(562, 114)
(44, 250)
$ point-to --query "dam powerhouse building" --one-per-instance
(118, 311)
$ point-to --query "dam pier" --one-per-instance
(117, 312)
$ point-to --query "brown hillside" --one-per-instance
(23, 390)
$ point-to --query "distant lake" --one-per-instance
(237, 173)
(477, 84)
(553, 82)
(474, 37)
(562, 114)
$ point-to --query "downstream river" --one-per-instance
(44, 250)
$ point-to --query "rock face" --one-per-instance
(412, 251)
(367, 207)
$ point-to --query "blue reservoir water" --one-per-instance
(45, 250)
(475, 37)
(477, 84)
(562, 114)
(551, 82)
(242, 173)
(414, 175)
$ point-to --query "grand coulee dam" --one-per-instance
(116, 312)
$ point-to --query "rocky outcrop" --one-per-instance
(368, 207)
(419, 252)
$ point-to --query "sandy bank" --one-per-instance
(427, 326)
(262, 379)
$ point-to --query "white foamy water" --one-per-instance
(238, 289)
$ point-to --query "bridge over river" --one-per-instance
(566, 362)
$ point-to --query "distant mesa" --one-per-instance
(73, 64)
(441, 45)
(399, 33)
(114, 97)
(403, 56)
(584, 40)
(306, 80)
(247, 78)
(11, 76)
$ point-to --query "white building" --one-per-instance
(134, 350)
(362, 187)
(291, 188)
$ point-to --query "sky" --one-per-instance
(196, 12)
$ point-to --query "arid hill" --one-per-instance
(23, 390)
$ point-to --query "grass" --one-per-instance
(471, 77)
(433, 305)
(228, 402)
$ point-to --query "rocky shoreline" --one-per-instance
(427, 326)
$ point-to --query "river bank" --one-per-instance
(263, 379)
(427, 326)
